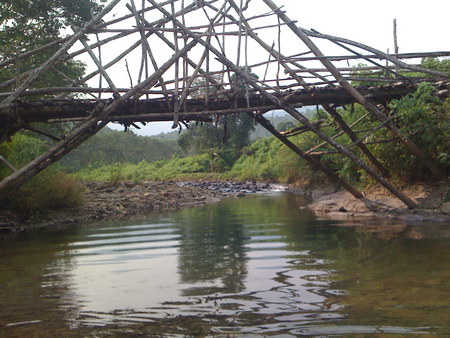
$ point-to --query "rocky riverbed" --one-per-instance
(105, 201)
(432, 201)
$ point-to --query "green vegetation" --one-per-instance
(108, 147)
(192, 167)
(421, 116)
(27, 25)
(51, 189)
(30, 24)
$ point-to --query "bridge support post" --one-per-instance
(85, 130)
(366, 103)
(328, 108)
(310, 159)
(288, 108)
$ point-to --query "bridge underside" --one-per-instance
(188, 46)
(198, 109)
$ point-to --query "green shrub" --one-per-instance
(51, 189)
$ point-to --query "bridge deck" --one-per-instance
(57, 110)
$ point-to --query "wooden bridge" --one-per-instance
(202, 60)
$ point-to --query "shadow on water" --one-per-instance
(254, 265)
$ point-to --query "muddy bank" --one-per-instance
(432, 200)
(105, 201)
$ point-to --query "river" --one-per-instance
(258, 265)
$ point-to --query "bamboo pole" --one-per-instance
(102, 70)
(6, 162)
(386, 68)
(168, 115)
(311, 160)
(292, 111)
(338, 134)
(147, 49)
(176, 102)
(367, 104)
(381, 54)
(84, 130)
(371, 56)
(35, 74)
(330, 110)
(157, 24)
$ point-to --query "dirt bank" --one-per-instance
(432, 199)
(104, 201)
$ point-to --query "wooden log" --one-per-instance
(157, 24)
(6, 162)
(301, 129)
(292, 111)
(83, 131)
(330, 110)
(376, 52)
(147, 48)
(35, 74)
(311, 160)
(338, 134)
(43, 110)
(100, 67)
(369, 56)
(367, 104)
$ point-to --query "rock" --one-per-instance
(445, 208)
(109, 189)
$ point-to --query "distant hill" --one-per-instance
(278, 117)
(110, 146)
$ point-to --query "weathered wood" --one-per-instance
(338, 134)
(35, 74)
(301, 129)
(311, 160)
(382, 55)
(6, 162)
(171, 101)
(43, 110)
(368, 56)
(395, 38)
(100, 67)
(326, 106)
(84, 130)
(366, 103)
(148, 50)
(292, 111)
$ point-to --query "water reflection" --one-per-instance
(256, 265)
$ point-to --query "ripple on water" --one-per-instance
(243, 267)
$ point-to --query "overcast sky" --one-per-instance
(422, 25)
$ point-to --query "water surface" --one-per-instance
(250, 266)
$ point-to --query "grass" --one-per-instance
(51, 189)
(265, 160)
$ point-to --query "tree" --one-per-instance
(26, 24)
(228, 132)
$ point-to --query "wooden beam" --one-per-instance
(366, 103)
(289, 109)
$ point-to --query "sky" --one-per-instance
(422, 26)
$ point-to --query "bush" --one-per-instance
(51, 189)
(425, 119)
(156, 171)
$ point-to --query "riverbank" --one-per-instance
(432, 199)
(105, 201)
